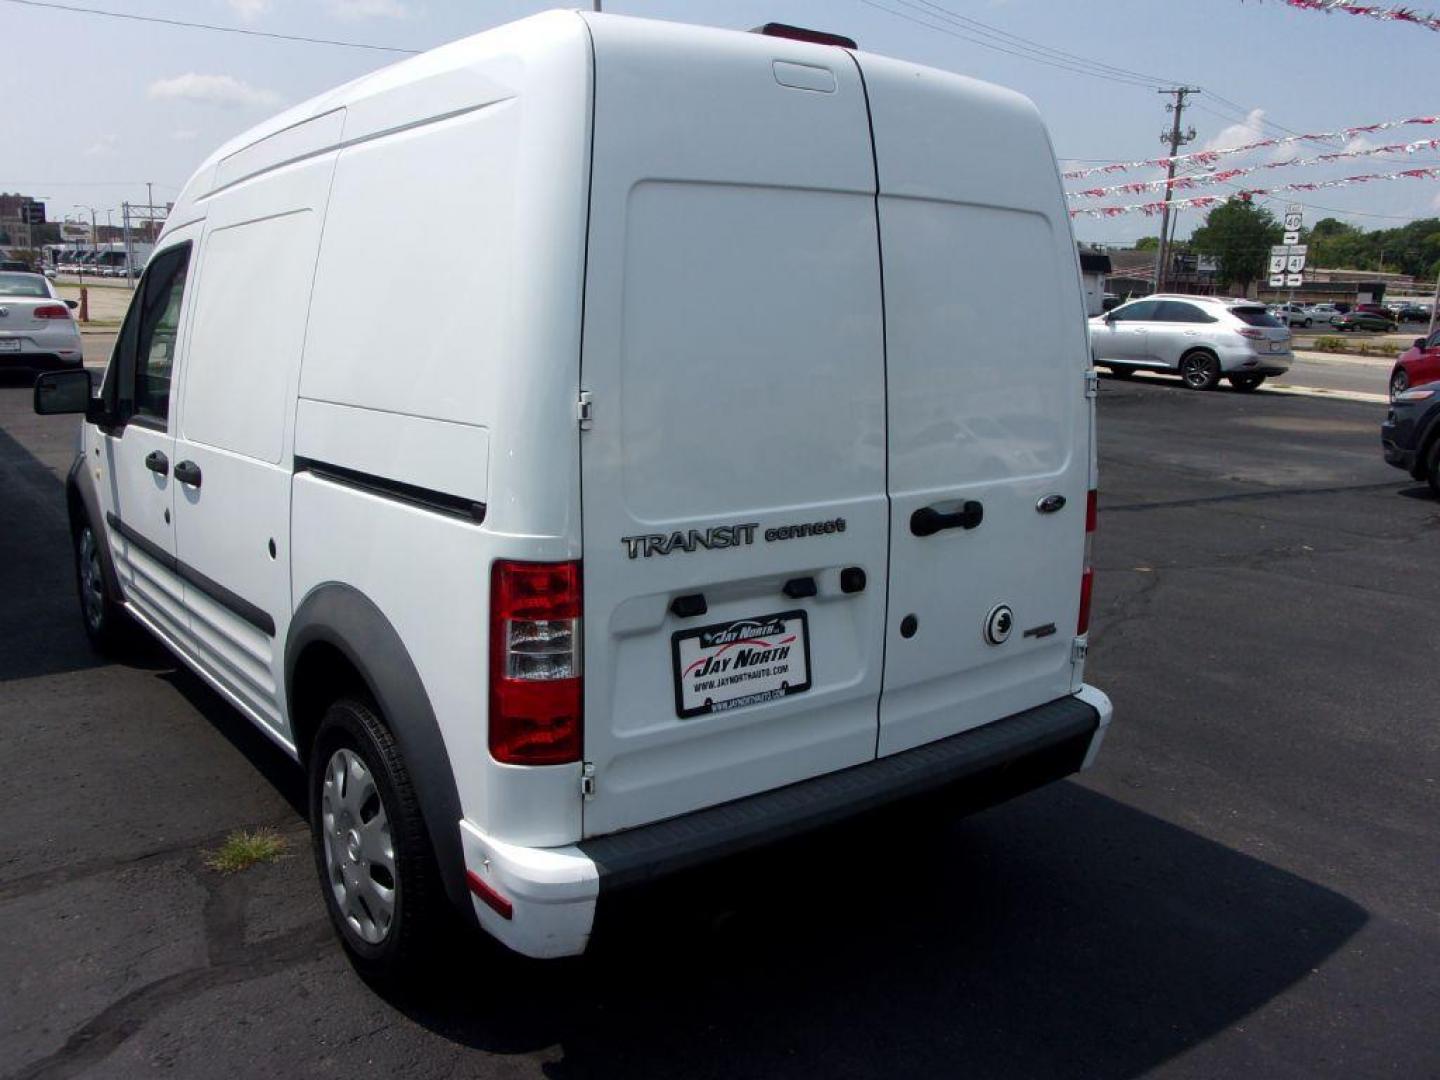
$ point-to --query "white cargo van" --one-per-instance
(707, 485)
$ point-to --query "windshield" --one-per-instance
(1255, 316)
(23, 285)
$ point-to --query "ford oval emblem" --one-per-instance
(1050, 503)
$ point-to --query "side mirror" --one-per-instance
(72, 304)
(1419, 343)
(60, 392)
(1109, 317)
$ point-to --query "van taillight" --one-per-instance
(51, 311)
(535, 676)
(1087, 575)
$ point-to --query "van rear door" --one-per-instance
(988, 417)
(734, 464)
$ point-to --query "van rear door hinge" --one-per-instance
(1078, 648)
(585, 411)
(1092, 383)
(587, 780)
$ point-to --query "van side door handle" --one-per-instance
(187, 472)
(157, 462)
(927, 521)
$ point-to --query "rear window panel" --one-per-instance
(23, 285)
(1255, 316)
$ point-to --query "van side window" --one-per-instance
(157, 326)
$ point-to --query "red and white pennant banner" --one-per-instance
(1150, 209)
(1135, 187)
(1394, 13)
(1208, 157)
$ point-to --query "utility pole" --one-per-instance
(129, 248)
(1176, 139)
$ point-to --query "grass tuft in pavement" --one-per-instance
(244, 848)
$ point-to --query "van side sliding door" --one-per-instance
(233, 446)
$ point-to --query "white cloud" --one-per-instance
(1240, 134)
(225, 91)
(249, 9)
(368, 9)
(1435, 202)
(184, 135)
(105, 146)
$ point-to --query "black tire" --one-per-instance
(1432, 468)
(1246, 383)
(419, 914)
(1305, 325)
(1200, 370)
(1399, 382)
(108, 626)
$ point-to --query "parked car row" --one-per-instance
(1366, 316)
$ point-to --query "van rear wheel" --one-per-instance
(1200, 370)
(376, 865)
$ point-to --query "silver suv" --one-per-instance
(1201, 338)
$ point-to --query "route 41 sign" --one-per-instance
(1287, 265)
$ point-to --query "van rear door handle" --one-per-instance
(187, 472)
(927, 521)
(157, 462)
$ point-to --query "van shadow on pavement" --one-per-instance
(1064, 934)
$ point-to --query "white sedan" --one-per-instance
(36, 329)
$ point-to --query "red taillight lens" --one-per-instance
(536, 705)
(52, 311)
(1087, 575)
(801, 33)
(1250, 332)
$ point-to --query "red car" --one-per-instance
(1377, 309)
(1419, 364)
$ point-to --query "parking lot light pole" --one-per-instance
(1434, 304)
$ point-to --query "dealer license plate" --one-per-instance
(742, 662)
(1277, 346)
(9, 344)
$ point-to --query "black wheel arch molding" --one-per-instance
(336, 619)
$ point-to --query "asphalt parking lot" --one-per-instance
(1246, 884)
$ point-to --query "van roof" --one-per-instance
(484, 68)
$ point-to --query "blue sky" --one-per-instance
(111, 104)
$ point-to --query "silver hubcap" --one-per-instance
(92, 586)
(1195, 373)
(359, 851)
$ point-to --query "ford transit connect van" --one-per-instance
(694, 497)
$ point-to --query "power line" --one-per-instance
(77, 10)
(950, 30)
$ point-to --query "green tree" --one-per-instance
(1239, 235)
(1147, 243)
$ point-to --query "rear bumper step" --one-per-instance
(550, 895)
(984, 766)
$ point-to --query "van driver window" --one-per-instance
(159, 327)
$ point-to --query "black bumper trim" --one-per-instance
(984, 766)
